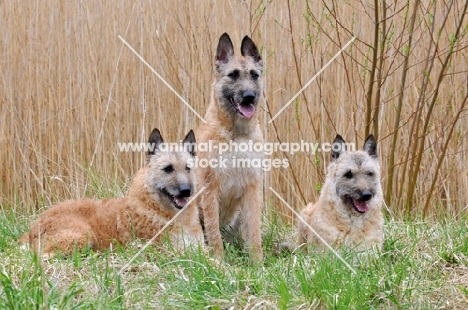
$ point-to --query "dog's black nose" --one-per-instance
(248, 96)
(365, 195)
(185, 190)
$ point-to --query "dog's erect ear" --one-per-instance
(225, 50)
(338, 147)
(248, 48)
(154, 141)
(190, 143)
(370, 146)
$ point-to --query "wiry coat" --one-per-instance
(153, 199)
(349, 206)
(232, 200)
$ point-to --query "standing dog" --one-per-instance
(348, 209)
(232, 202)
(159, 190)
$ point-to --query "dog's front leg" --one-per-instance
(250, 220)
(210, 208)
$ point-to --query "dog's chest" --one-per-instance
(358, 229)
(239, 167)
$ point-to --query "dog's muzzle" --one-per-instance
(181, 199)
(361, 204)
(246, 107)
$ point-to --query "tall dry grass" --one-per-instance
(70, 90)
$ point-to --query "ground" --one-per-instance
(423, 265)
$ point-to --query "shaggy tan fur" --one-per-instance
(349, 207)
(141, 214)
(232, 201)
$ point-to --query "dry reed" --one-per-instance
(70, 91)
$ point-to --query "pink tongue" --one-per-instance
(247, 111)
(181, 201)
(361, 205)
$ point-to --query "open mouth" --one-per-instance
(246, 110)
(359, 205)
(178, 201)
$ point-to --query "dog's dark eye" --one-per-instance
(168, 169)
(370, 173)
(234, 74)
(254, 75)
(187, 168)
(348, 175)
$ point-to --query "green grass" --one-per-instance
(422, 266)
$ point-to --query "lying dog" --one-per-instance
(348, 209)
(159, 190)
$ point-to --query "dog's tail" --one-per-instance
(24, 238)
(285, 248)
